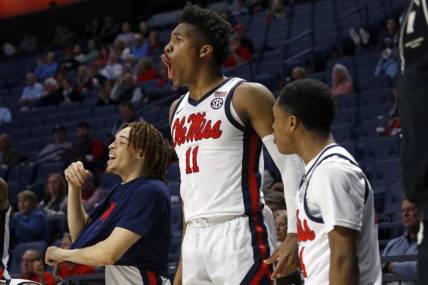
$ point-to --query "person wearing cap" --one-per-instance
(59, 149)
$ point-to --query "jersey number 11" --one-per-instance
(192, 164)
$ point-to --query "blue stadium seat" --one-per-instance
(392, 204)
(176, 217)
(343, 133)
(374, 111)
(20, 249)
(375, 97)
(175, 188)
(385, 172)
(382, 148)
(346, 101)
(22, 175)
(56, 226)
(347, 116)
(44, 169)
(369, 129)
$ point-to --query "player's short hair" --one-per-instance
(311, 102)
(214, 29)
(149, 141)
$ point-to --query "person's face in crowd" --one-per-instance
(31, 79)
(92, 45)
(82, 72)
(54, 185)
(284, 127)
(83, 132)
(235, 42)
(126, 113)
(122, 157)
(59, 136)
(182, 54)
(298, 74)
(27, 261)
(50, 57)
(25, 205)
(77, 49)
(391, 26)
(127, 80)
(66, 84)
(144, 27)
(126, 27)
(409, 214)
(281, 227)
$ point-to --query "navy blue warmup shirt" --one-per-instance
(143, 207)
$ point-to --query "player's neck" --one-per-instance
(206, 80)
(312, 145)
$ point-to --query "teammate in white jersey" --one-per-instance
(217, 130)
(337, 235)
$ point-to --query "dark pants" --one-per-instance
(423, 257)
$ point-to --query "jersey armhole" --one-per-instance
(171, 119)
(231, 113)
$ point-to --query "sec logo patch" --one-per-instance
(216, 103)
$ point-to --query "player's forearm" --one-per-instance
(76, 214)
(96, 255)
(344, 269)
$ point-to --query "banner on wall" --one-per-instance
(12, 8)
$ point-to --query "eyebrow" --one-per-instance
(177, 34)
(123, 137)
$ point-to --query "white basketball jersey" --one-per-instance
(323, 202)
(220, 159)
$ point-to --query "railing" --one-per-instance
(285, 47)
(364, 14)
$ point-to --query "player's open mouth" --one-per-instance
(111, 158)
(168, 64)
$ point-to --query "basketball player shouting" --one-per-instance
(218, 128)
(337, 237)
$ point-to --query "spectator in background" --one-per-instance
(140, 48)
(46, 67)
(29, 224)
(245, 41)
(128, 115)
(59, 149)
(89, 150)
(239, 7)
(279, 10)
(56, 194)
(155, 45)
(126, 36)
(33, 90)
(66, 269)
(275, 200)
(33, 268)
(144, 28)
(52, 93)
(389, 38)
(146, 71)
(341, 80)
(78, 53)
(405, 244)
(113, 69)
(9, 156)
(227, 15)
(126, 90)
(120, 48)
(104, 94)
(5, 115)
(388, 63)
(103, 57)
(298, 73)
(69, 92)
(91, 195)
(69, 63)
(28, 43)
(62, 36)
(238, 52)
(89, 79)
(109, 30)
(91, 55)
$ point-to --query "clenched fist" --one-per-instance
(76, 175)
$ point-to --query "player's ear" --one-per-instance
(205, 51)
(293, 123)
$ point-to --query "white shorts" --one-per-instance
(230, 252)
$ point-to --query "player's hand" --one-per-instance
(286, 256)
(76, 175)
(54, 255)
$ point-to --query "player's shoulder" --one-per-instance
(152, 188)
(252, 90)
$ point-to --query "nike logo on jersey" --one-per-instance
(197, 128)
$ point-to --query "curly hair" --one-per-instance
(215, 30)
(148, 141)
